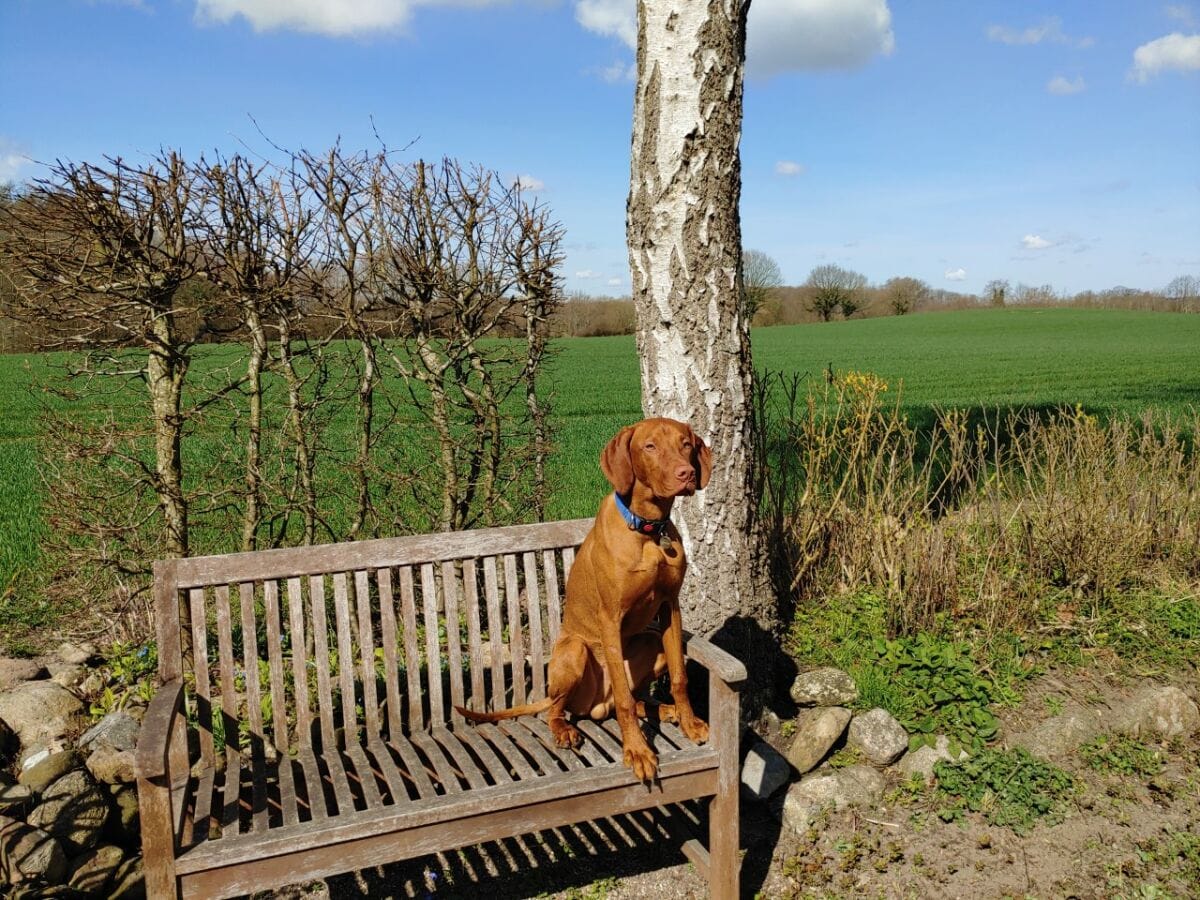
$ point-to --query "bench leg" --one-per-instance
(724, 826)
(158, 840)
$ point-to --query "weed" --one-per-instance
(1122, 755)
(1010, 788)
(128, 671)
(942, 690)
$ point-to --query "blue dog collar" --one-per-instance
(648, 527)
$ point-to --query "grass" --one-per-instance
(1105, 361)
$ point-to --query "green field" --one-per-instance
(1107, 361)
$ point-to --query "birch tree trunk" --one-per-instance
(694, 345)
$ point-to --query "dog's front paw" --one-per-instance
(643, 761)
(695, 729)
(565, 735)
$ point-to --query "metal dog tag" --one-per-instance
(664, 541)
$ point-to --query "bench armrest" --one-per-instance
(153, 747)
(725, 666)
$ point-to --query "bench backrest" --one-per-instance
(290, 646)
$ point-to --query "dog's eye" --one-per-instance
(651, 447)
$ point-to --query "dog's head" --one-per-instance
(663, 454)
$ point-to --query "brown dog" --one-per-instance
(623, 590)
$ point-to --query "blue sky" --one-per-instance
(1054, 142)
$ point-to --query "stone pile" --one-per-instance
(68, 804)
(880, 744)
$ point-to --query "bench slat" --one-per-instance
(341, 606)
(337, 776)
(462, 759)
(433, 653)
(533, 605)
(288, 807)
(316, 600)
(230, 814)
(203, 695)
(508, 750)
(453, 639)
(553, 604)
(364, 775)
(387, 627)
(299, 644)
(253, 688)
(416, 768)
(474, 639)
(516, 631)
(229, 697)
(314, 785)
(494, 765)
(366, 650)
(441, 765)
(387, 767)
(412, 656)
(411, 550)
(491, 590)
(201, 825)
(516, 730)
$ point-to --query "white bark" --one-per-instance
(685, 255)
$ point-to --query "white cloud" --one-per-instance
(587, 274)
(614, 282)
(781, 35)
(959, 274)
(1175, 52)
(1035, 242)
(528, 183)
(337, 18)
(1064, 86)
(789, 168)
(618, 71)
(1049, 29)
(786, 35)
(617, 18)
(12, 160)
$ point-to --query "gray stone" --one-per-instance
(129, 883)
(878, 736)
(858, 786)
(91, 686)
(815, 734)
(16, 671)
(14, 797)
(1062, 733)
(1157, 711)
(922, 760)
(824, 687)
(48, 768)
(31, 853)
(117, 730)
(39, 711)
(68, 675)
(92, 871)
(764, 771)
(77, 654)
(112, 766)
(74, 810)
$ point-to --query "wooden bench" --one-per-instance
(304, 723)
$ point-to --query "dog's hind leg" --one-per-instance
(573, 681)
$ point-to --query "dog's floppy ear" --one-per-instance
(703, 460)
(616, 462)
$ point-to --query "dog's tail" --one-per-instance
(528, 709)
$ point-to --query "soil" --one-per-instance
(1121, 835)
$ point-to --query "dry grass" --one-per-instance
(1017, 520)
